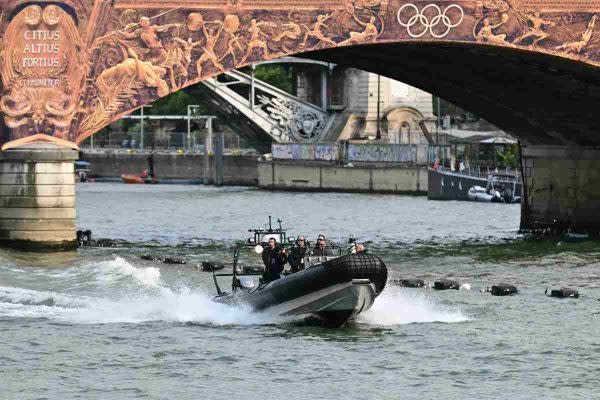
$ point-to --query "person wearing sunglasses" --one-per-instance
(297, 254)
(321, 248)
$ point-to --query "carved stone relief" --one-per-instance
(112, 56)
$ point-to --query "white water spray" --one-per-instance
(162, 303)
(128, 304)
(398, 306)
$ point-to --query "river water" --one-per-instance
(102, 323)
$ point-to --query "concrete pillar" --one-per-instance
(37, 197)
(562, 188)
(324, 89)
(208, 150)
(219, 150)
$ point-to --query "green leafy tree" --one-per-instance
(276, 75)
(174, 104)
(509, 156)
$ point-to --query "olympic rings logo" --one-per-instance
(420, 18)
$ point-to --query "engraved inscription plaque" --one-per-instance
(42, 72)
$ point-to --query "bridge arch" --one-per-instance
(505, 60)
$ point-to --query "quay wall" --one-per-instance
(328, 176)
(239, 170)
(562, 188)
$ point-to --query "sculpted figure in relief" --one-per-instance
(146, 72)
(232, 25)
(290, 31)
(370, 33)
(256, 39)
(486, 33)
(535, 31)
(578, 46)
(209, 54)
(317, 31)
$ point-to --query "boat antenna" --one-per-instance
(236, 256)
(219, 291)
(279, 221)
(270, 226)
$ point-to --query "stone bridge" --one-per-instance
(70, 67)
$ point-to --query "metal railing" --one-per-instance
(157, 141)
(480, 172)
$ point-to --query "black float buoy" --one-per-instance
(446, 284)
(503, 290)
(174, 260)
(210, 266)
(252, 270)
(410, 283)
(84, 238)
(166, 260)
(563, 293)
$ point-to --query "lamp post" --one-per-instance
(252, 89)
(439, 121)
(190, 107)
(142, 126)
(378, 134)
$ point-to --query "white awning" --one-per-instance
(499, 140)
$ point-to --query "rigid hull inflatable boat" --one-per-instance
(332, 289)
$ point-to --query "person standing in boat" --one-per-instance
(274, 259)
(355, 247)
(297, 254)
(321, 248)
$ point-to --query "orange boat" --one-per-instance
(137, 179)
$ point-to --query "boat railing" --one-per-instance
(479, 172)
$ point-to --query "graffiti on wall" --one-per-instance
(308, 152)
(398, 153)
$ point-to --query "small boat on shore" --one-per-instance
(495, 188)
(139, 179)
(500, 188)
(82, 171)
(334, 289)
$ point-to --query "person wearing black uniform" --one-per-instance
(321, 248)
(274, 259)
(297, 254)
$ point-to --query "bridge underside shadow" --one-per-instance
(549, 103)
(541, 99)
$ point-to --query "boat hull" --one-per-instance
(132, 179)
(334, 291)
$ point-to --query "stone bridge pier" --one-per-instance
(562, 188)
(37, 197)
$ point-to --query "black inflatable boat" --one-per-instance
(332, 289)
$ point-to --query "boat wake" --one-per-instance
(399, 306)
(139, 296)
(132, 294)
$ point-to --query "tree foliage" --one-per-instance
(509, 156)
(276, 75)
